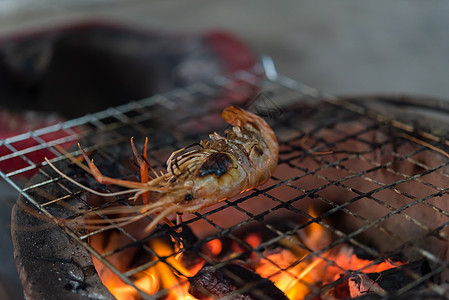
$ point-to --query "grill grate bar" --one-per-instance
(339, 233)
(19, 154)
(379, 220)
(361, 175)
(313, 151)
(419, 279)
(417, 163)
(396, 172)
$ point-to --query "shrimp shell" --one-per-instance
(223, 167)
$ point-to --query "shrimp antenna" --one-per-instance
(87, 188)
(123, 221)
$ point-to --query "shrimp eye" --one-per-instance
(188, 197)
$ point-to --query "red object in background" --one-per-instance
(87, 67)
(234, 54)
(15, 123)
(91, 66)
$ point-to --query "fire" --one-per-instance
(293, 267)
(148, 284)
(297, 279)
(159, 276)
(215, 247)
(302, 272)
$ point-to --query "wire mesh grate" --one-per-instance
(353, 183)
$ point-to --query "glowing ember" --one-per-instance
(292, 266)
(160, 276)
(215, 247)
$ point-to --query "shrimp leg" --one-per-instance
(142, 161)
(143, 164)
(127, 183)
(108, 180)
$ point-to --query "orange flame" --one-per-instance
(157, 277)
(293, 268)
(215, 247)
(300, 271)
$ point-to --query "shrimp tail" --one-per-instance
(238, 117)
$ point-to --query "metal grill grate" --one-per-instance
(359, 171)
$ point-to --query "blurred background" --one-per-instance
(337, 46)
(341, 47)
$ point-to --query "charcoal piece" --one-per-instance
(393, 279)
(360, 284)
(426, 294)
(227, 280)
(187, 238)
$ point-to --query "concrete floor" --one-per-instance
(338, 46)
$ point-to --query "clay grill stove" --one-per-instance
(369, 172)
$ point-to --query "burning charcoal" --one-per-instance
(396, 278)
(337, 290)
(361, 284)
(190, 257)
(354, 285)
(426, 294)
(186, 239)
(228, 280)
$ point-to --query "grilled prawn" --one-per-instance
(221, 168)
